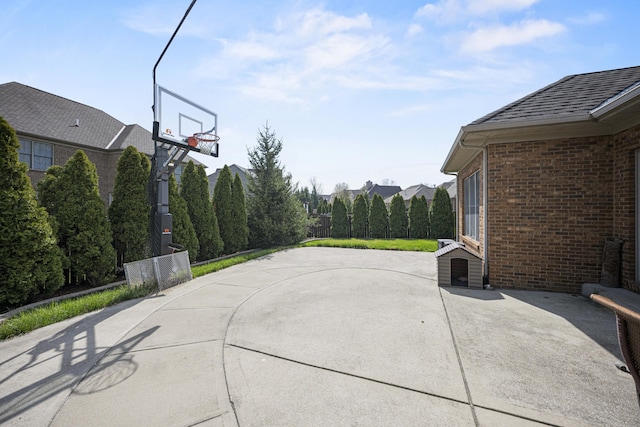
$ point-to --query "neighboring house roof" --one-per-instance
(415, 190)
(235, 169)
(34, 112)
(591, 104)
(383, 190)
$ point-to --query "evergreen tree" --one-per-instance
(425, 207)
(339, 220)
(30, 261)
(224, 210)
(71, 196)
(378, 218)
(195, 192)
(183, 231)
(441, 215)
(239, 209)
(275, 216)
(129, 211)
(360, 214)
(398, 222)
(418, 218)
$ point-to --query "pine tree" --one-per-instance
(224, 210)
(339, 220)
(378, 218)
(360, 214)
(441, 215)
(418, 218)
(275, 216)
(398, 222)
(427, 220)
(129, 211)
(183, 231)
(30, 261)
(195, 192)
(239, 209)
(83, 230)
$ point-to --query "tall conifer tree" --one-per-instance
(398, 222)
(183, 231)
(83, 229)
(30, 260)
(239, 208)
(224, 210)
(275, 216)
(129, 211)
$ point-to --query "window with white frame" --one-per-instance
(37, 155)
(472, 206)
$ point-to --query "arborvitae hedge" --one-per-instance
(398, 221)
(239, 210)
(224, 210)
(30, 261)
(83, 229)
(378, 218)
(339, 220)
(418, 218)
(360, 217)
(129, 211)
(441, 215)
(183, 231)
(195, 192)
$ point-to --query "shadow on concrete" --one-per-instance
(479, 294)
(78, 352)
(594, 321)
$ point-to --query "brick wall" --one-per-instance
(550, 211)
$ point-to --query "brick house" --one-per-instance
(51, 129)
(544, 181)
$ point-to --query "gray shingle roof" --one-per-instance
(415, 190)
(573, 95)
(38, 113)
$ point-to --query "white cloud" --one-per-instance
(479, 7)
(250, 50)
(490, 38)
(589, 19)
(414, 29)
(458, 10)
(413, 109)
(318, 22)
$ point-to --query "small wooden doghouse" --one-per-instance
(458, 266)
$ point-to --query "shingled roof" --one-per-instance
(37, 113)
(573, 95)
(582, 105)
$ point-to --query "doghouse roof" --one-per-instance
(452, 247)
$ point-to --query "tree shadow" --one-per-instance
(78, 352)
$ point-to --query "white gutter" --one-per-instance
(615, 102)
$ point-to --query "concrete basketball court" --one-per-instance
(323, 337)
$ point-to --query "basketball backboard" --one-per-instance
(177, 119)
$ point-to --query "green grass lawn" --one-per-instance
(384, 244)
(48, 314)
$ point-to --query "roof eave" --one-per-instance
(472, 138)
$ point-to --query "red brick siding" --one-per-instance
(550, 211)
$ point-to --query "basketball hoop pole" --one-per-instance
(162, 238)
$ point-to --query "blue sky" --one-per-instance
(357, 90)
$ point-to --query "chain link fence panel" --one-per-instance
(163, 271)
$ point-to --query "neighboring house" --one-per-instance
(235, 169)
(52, 128)
(415, 190)
(384, 191)
(545, 181)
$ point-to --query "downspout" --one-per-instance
(485, 203)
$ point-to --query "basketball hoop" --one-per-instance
(206, 142)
